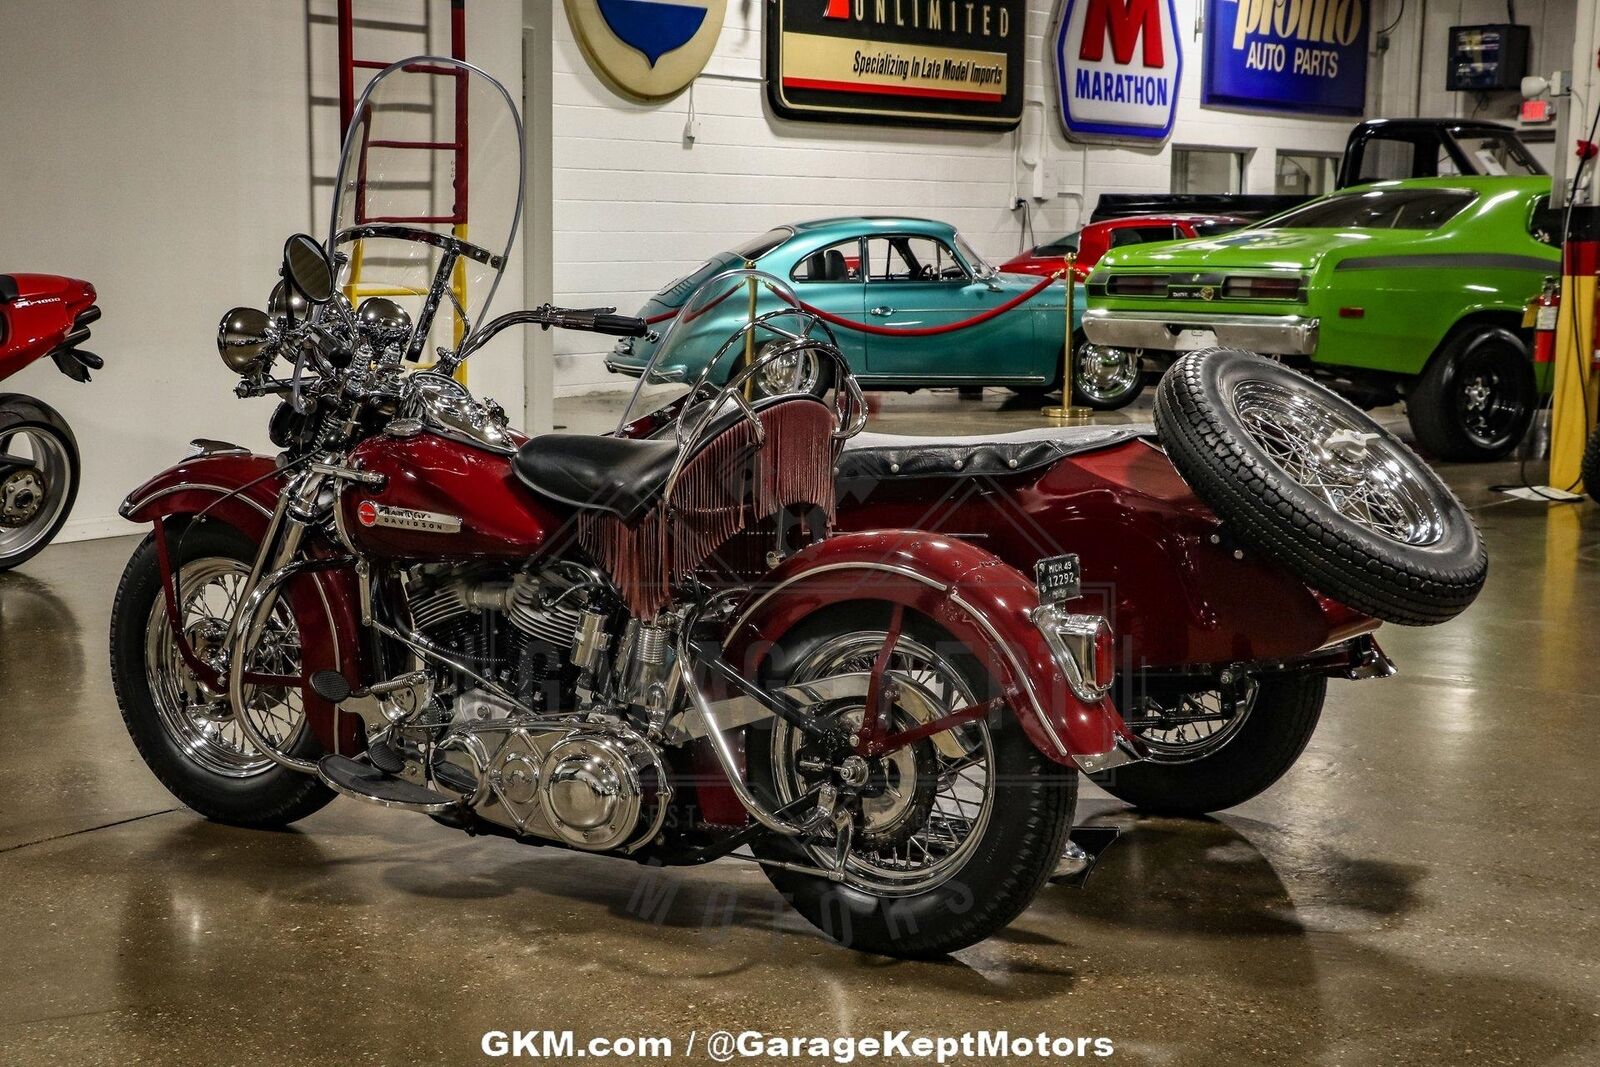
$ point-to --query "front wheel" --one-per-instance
(1208, 754)
(1474, 401)
(38, 477)
(953, 835)
(184, 729)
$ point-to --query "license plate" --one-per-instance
(1194, 340)
(1058, 578)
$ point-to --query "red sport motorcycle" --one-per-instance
(40, 315)
(734, 627)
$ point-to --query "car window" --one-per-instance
(757, 247)
(1497, 153)
(1386, 158)
(1214, 229)
(1378, 209)
(837, 263)
(1060, 246)
(1544, 225)
(912, 259)
(1138, 235)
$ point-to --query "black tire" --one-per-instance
(1438, 405)
(25, 414)
(1017, 852)
(1282, 716)
(1112, 401)
(1590, 471)
(1260, 504)
(272, 798)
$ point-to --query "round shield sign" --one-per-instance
(647, 49)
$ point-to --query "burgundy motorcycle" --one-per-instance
(652, 645)
(40, 315)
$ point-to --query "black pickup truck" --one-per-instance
(1377, 150)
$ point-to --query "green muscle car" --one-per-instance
(1409, 289)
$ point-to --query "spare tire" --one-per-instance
(1305, 477)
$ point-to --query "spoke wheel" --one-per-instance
(199, 719)
(919, 830)
(1192, 726)
(1360, 474)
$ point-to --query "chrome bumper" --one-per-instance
(1278, 335)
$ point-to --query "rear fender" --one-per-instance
(983, 601)
(228, 484)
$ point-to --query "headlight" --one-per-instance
(244, 340)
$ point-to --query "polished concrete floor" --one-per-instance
(1421, 888)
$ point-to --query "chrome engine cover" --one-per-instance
(596, 786)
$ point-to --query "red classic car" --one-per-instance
(1098, 238)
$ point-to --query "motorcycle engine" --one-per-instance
(590, 782)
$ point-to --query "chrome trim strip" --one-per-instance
(129, 506)
(1284, 335)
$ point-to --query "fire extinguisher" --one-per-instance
(1544, 310)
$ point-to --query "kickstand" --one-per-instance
(1085, 845)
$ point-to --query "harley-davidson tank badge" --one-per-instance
(371, 513)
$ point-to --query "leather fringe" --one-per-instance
(728, 484)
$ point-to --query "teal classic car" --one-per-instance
(891, 273)
(1411, 290)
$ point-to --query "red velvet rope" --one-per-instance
(893, 331)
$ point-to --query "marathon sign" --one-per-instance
(946, 63)
(1119, 64)
(1287, 55)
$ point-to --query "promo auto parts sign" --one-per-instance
(1118, 67)
(1287, 55)
(951, 63)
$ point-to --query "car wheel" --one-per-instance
(1474, 401)
(1591, 467)
(1107, 378)
(1303, 476)
(801, 372)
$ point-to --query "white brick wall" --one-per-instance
(635, 206)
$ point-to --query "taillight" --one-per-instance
(1257, 287)
(1082, 646)
(1137, 285)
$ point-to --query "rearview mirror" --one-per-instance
(307, 269)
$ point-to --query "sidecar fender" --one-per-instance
(232, 485)
(982, 600)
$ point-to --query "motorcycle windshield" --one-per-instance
(731, 319)
(428, 196)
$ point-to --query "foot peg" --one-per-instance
(331, 686)
(359, 779)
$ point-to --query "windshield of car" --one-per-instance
(1376, 209)
(1496, 152)
(1060, 246)
(980, 266)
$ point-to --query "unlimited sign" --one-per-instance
(1118, 65)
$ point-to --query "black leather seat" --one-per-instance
(621, 475)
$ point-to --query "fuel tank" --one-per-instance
(444, 498)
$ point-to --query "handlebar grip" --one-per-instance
(620, 325)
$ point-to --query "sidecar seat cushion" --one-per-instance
(621, 475)
(883, 455)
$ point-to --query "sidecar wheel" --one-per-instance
(34, 500)
(978, 820)
(187, 741)
(1303, 476)
(1193, 771)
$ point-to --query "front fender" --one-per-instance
(234, 486)
(983, 601)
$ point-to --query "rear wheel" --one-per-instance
(1474, 401)
(184, 729)
(1208, 754)
(38, 477)
(953, 836)
(1108, 377)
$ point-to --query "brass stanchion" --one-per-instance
(1067, 412)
